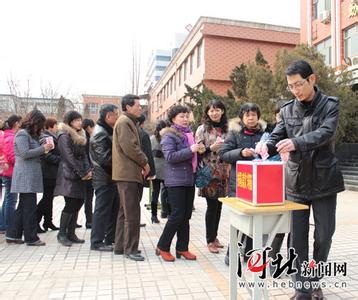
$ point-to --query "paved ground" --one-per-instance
(55, 272)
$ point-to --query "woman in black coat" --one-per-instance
(49, 164)
(73, 171)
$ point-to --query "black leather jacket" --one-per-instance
(312, 169)
(101, 155)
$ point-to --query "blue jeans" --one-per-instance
(8, 206)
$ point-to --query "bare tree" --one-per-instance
(49, 94)
(21, 98)
(135, 71)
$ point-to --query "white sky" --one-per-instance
(85, 46)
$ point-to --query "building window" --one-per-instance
(160, 68)
(351, 41)
(319, 6)
(325, 49)
(179, 76)
(162, 58)
(191, 62)
(174, 82)
(198, 58)
(185, 69)
(93, 108)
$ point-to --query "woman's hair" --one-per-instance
(247, 107)
(158, 127)
(87, 123)
(70, 116)
(50, 123)
(215, 103)
(11, 121)
(176, 110)
(34, 122)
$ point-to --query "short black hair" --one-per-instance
(105, 109)
(87, 123)
(158, 127)
(300, 67)
(70, 116)
(128, 99)
(247, 107)
(176, 110)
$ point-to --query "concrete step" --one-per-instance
(350, 172)
(349, 161)
(348, 168)
(350, 177)
(351, 182)
(351, 187)
(349, 164)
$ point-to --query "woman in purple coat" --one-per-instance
(180, 153)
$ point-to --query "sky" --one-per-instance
(85, 46)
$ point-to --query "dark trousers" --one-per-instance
(128, 220)
(88, 199)
(25, 219)
(72, 205)
(181, 203)
(159, 188)
(324, 214)
(45, 206)
(212, 219)
(105, 214)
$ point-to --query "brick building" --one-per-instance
(332, 27)
(209, 54)
(92, 103)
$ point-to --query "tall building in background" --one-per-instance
(332, 27)
(156, 66)
(210, 52)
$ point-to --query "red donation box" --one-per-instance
(260, 182)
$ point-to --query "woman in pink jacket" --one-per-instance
(12, 125)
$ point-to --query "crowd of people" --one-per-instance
(115, 158)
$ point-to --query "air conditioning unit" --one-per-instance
(325, 16)
(354, 60)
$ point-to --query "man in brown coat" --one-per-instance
(129, 166)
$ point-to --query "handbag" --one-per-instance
(202, 175)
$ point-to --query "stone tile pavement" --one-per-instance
(55, 272)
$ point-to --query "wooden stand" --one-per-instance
(255, 222)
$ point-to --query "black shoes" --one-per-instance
(37, 243)
(155, 220)
(50, 226)
(301, 296)
(135, 257)
(15, 241)
(121, 252)
(142, 225)
(39, 229)
(102, 247)
(164, 215)
(317, 294)
(88, 225)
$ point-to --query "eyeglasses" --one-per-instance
(296, 85)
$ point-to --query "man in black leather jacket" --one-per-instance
(307, 133)
(107, 201)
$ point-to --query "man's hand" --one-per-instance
(146, 170)
(246, 152)
(285, 145)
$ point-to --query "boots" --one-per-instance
(62, 234)
(71, 235)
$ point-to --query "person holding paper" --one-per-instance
(306, 135)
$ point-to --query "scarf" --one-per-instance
(188, 141)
